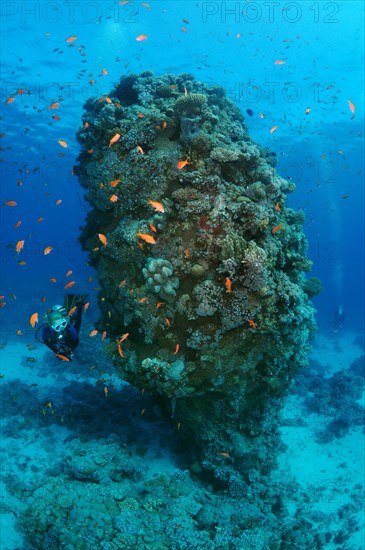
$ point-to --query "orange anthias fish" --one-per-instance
(277, 207)
(157, 206)
(181, 164)
(93, 333)
(62, 142)
(141, 37)
(145, 237)
(252, 323)
(228, 285)
(72, 311)
(276, 228)
(114, 139)
(62, 357)
(103, 239)
(279, 62)
(351, 106)
(177, 347)
(273, 129)
(10, 203)
(19, 246)
(114, 183)
(33, 319)
(47, 250)
(71, 39)
(54, 105)
(124, 337)
(70, 284)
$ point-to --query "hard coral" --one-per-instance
(236, 317)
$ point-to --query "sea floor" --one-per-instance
(50, 408)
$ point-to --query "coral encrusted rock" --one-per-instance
(204, 265)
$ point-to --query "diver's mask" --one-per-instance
(57, 318)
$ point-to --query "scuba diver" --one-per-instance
(339, 319)
(60, 332)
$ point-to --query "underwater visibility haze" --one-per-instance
(182, 282)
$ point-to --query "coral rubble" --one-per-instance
(210, 286)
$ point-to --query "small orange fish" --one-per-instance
(39, 220)
(62, 357)
(114, 183)
(9, 100)
(351, 106)
(56, 117)
(71, 39)
(47, 250)
(62, 142)
(10, 203)
(147, 238)
(168, 322)
(140, 115)
(68, 273)
(277, 207)
(159, 304)
(103, 239)
(53, 280)
(93, 333)
(103, 336)
(104, 72)
(19, 332)
(22, 262)
(307, 111)
(141, 37)
(124, 337)
(186, 253)
(228, 285)
(19, 246)
(86, 306)
(273, 129)
(158, 206)
(252, 324)
(142, 300)
(279, 62)
(262, 115)
(72, 311)
(58, 202)
(152, 227)
(140, 150)
(18, 224)
(86, 125)
(120, 351)
(113, 198)
(70, 284)
(43, 299)
(176, 349)
(33, 319)
(54, 105)
(276, 228)
(226, 455)
(181, 164)
(114, 139)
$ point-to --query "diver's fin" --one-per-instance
(72, 300)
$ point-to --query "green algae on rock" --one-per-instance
(219, 357)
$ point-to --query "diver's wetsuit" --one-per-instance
(65, 342)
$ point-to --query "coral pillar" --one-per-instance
(203, 265)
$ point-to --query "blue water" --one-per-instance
(233, 44)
